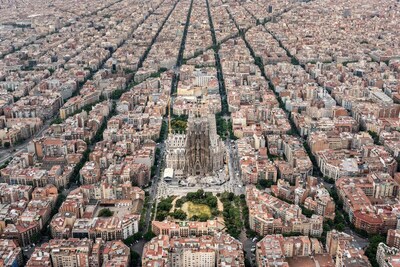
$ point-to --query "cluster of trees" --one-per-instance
(245, 216)
(224, 127)
(149, 235)
(165, 203)
(232, 214)
(59, 201)
(5, 164)
(293, 127)
(158, 73)
(135, 259)
(340, 221)
(294, 61)
(133, 238)
(179, 214)
(6, 144)
(17, 25)
(198, 197)
(329, 180)
(264, 183)
(201, 218)
(180, 202)
(370, 252)
(99, 134)
(57, 120)
(142, 222)
(316, 169)
(182, 117)
(157, 161)
(75, 174)
(163, 208)
(155, 75)
(46, 230)
(105, 213)
(201, 197)
(163, 131)
(375, 137)
(128, 71)
(117, 93)
(308, 213)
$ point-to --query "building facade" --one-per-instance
(199, 152)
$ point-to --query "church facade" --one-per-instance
(199, 152)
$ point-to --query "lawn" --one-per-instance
(196, 209)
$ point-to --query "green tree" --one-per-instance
(203, 217)
(339, 218)
(370, 252)
(105, 213)
(165, 204)
(212, 202)
(340, 227)
(131, 239)
(231, 213)
(215, 212)
(375, 137)
(135, 259)
(308, 213)
(35, 238)
(128, 71)
(180, 202)
(161, 215)
(57, 120)
(264, 183)
(200, 193)
(179, 214)
(149, 235)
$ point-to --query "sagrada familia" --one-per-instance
(198, 152)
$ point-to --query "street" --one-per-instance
(235, 183)
(358, 241)
(248, 244)
(138, 247)
(154, 186)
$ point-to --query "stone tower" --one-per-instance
(198, 152)
(197, 146)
